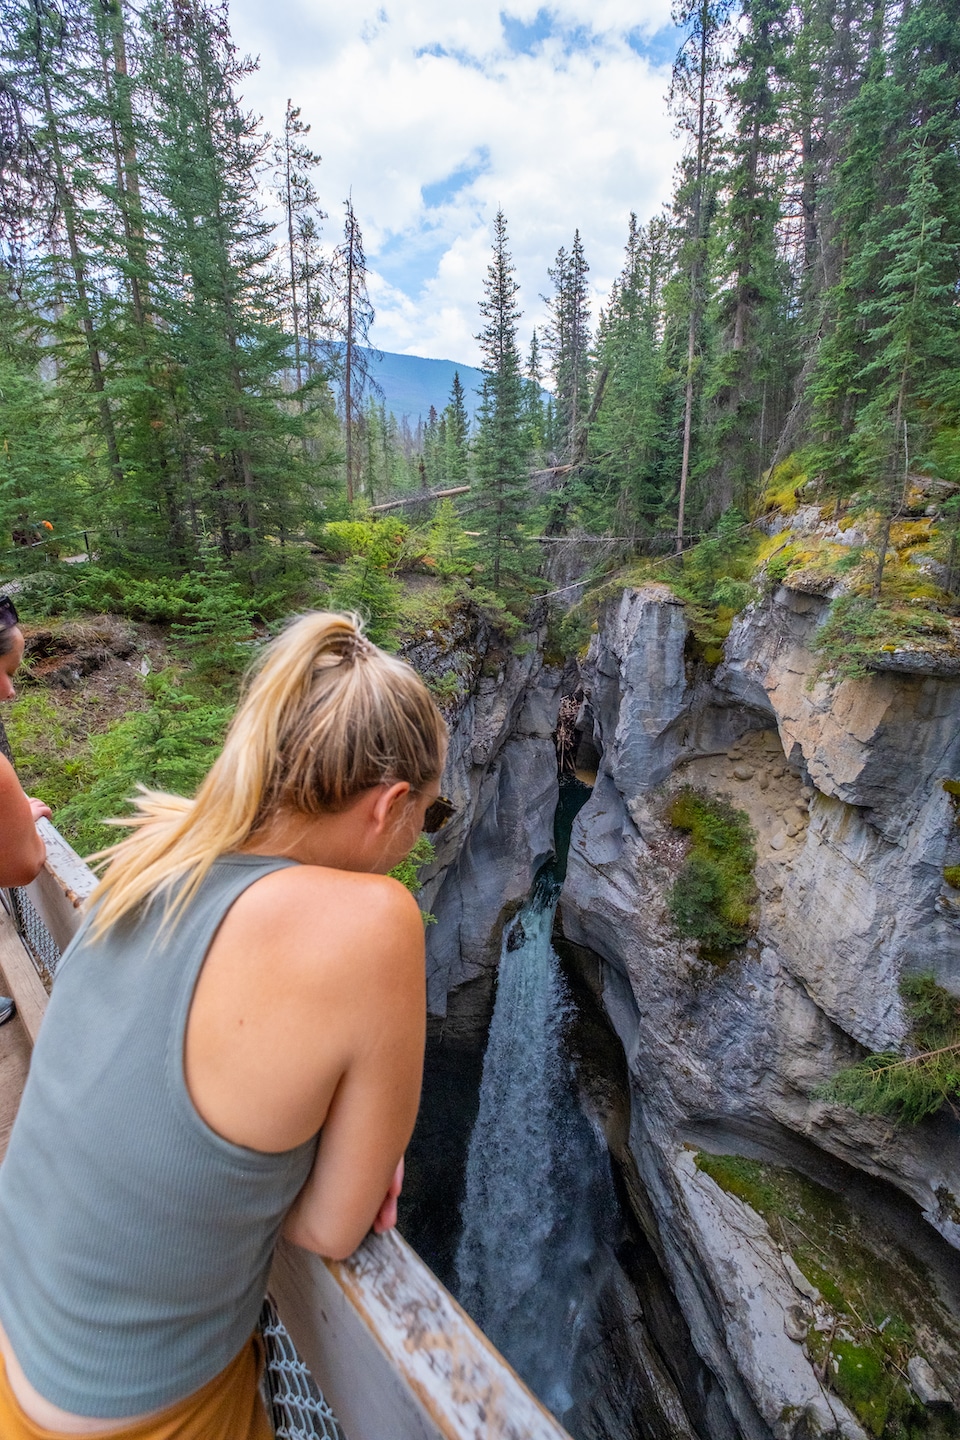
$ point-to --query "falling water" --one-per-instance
(539, 1197)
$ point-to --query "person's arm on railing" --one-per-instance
(22, 851)
(356, 1179)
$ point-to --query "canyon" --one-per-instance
(747, 1232)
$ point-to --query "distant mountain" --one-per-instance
(412, 383)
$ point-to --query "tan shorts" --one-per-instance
(227, 1408)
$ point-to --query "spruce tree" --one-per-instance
(691, 88)
(567, 342)
(500, 492)
(630, 480)
(293, 163)
(535, 415)
(751, 301)
(456, 459)
(215, 295)
(353, 315)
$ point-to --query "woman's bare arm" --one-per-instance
(310, 1014)
(22, 852)
(371, 1117)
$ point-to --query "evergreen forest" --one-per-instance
(192, 439)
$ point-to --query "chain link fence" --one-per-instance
(292, 1398)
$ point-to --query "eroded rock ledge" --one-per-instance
(843, 785)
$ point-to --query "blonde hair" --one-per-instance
(325, 715)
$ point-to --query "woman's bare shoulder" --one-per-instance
(306, 909)
(350, 894)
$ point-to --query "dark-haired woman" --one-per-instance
(233, 1048)
(22, 851)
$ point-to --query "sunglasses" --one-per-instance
(8, 613)
(437, 815)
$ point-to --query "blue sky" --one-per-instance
(435, 112)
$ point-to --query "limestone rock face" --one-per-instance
(844, 791)
(501, 774)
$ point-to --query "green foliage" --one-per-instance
(569, 634)
(634, 456)
(714, 581)
(494, 610)
(859, 629)
(450, 548)
(447, 687)
(908, 1087)
(454, 449)
(384, 543)
(43, 471)
(712, 899)
(951, 874)
(499, 497)
(882, 1300)
(169, 746)
(364, 587)
(48, 762)
(408, 871)
(216, 631)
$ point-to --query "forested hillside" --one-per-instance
(186, 393)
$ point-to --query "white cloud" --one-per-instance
(557, 118)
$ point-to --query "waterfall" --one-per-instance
(538, 1196)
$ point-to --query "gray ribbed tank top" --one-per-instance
(134, 1242)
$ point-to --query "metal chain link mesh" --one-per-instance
(5, 744)
(44, 950)
(293, 1401)
(297, 1408)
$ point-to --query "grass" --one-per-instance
(879, 1304)
(712, 898)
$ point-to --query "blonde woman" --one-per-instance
(248, 979)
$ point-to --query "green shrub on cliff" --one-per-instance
(859, 629)
(712, 899)
(908, 1087)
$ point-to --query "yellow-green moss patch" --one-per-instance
(879, 1305)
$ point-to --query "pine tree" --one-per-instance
(752, 301)
(535, 416)
(54, 82)
(293, 162)
(914, 327)
(889, 358)
(215, 295)
(630, 480)
(567, 342)
(456, 459)
(450, 547)
(42, 459)
(433, 448)
(354, 315)
(500, 492)
(690, 92)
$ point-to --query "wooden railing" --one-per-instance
(395, 1355)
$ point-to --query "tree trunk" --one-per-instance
(79, 276)
(348, 386)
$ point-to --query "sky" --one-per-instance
(434, 113)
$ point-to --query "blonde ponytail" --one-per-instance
(325, 715)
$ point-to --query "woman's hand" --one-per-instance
(387, 1214)
(39, 810)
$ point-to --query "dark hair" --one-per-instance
(9, 620)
